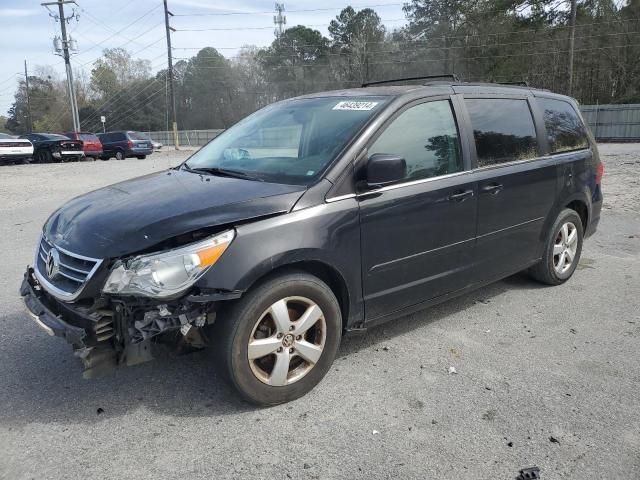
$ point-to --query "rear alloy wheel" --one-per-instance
(119, 155)
(279, 340)
(562, 251)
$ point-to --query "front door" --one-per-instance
(417, 237)
(516, 185)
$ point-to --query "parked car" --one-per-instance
(14, 150)
(125, 144)
(317, 216)
(48, 147)
(91, 144)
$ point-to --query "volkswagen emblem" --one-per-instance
(53, 263)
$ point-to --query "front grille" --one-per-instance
(71, 274)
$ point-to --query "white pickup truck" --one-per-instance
(14, 150)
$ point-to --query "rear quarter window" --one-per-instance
(503, 130)
(565, 130)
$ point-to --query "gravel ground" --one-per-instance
(545, 376)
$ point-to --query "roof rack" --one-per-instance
(515, 84)
(452, 77)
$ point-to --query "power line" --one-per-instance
(309, 10)
(224, 29)
(439, 37)
(417, 48)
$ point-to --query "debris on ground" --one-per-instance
(99, 411)
(530, 473)
(554, 440)
(376, 432)
(452, 370)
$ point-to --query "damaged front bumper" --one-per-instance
(110, 332)
(37, 306)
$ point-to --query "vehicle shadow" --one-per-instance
(42, 381)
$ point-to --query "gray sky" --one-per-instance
(26, 30)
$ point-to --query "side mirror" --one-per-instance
(384, 169)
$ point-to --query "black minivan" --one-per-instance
(316, 216)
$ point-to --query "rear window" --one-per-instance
(137, 136)
(503, 130)
(88, 137)
(565, 130)
(54, 136)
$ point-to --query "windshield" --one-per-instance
(290, 142)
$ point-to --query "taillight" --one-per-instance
(599, 173)
(130, 143)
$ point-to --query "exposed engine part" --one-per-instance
(161, 319)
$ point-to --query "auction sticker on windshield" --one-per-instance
(355, 105)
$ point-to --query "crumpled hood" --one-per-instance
(137, 214)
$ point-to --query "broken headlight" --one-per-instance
(168, 273)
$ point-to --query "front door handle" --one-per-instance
(493, 188)
(460, 196)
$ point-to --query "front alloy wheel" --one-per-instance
(280, 338)
(287, 341)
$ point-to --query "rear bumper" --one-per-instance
(12, 157)
(596, 208)
(139, 151)
(93, 153)
(40, 310)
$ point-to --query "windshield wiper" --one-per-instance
(224, 172)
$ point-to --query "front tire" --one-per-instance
(562, 250)
(279, 340)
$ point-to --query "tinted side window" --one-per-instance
(426, 137)
(565, 130)
(503, 130)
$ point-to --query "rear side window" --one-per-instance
(426, 136)
(503, 130)
(565, 130)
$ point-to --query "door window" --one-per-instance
(565, 130)
(503, 130)
(426, 136)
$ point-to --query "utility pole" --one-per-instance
(65, 54)
(26, 81)
(572, 39)
(172, 103)
(279, 20)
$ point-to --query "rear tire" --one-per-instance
(299, 318)
(45, 156)
(141, 157)
(119, 156)
(562, 250)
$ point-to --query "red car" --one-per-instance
(91, 143)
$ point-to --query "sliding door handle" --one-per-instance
(460, 196)
(493, 188)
